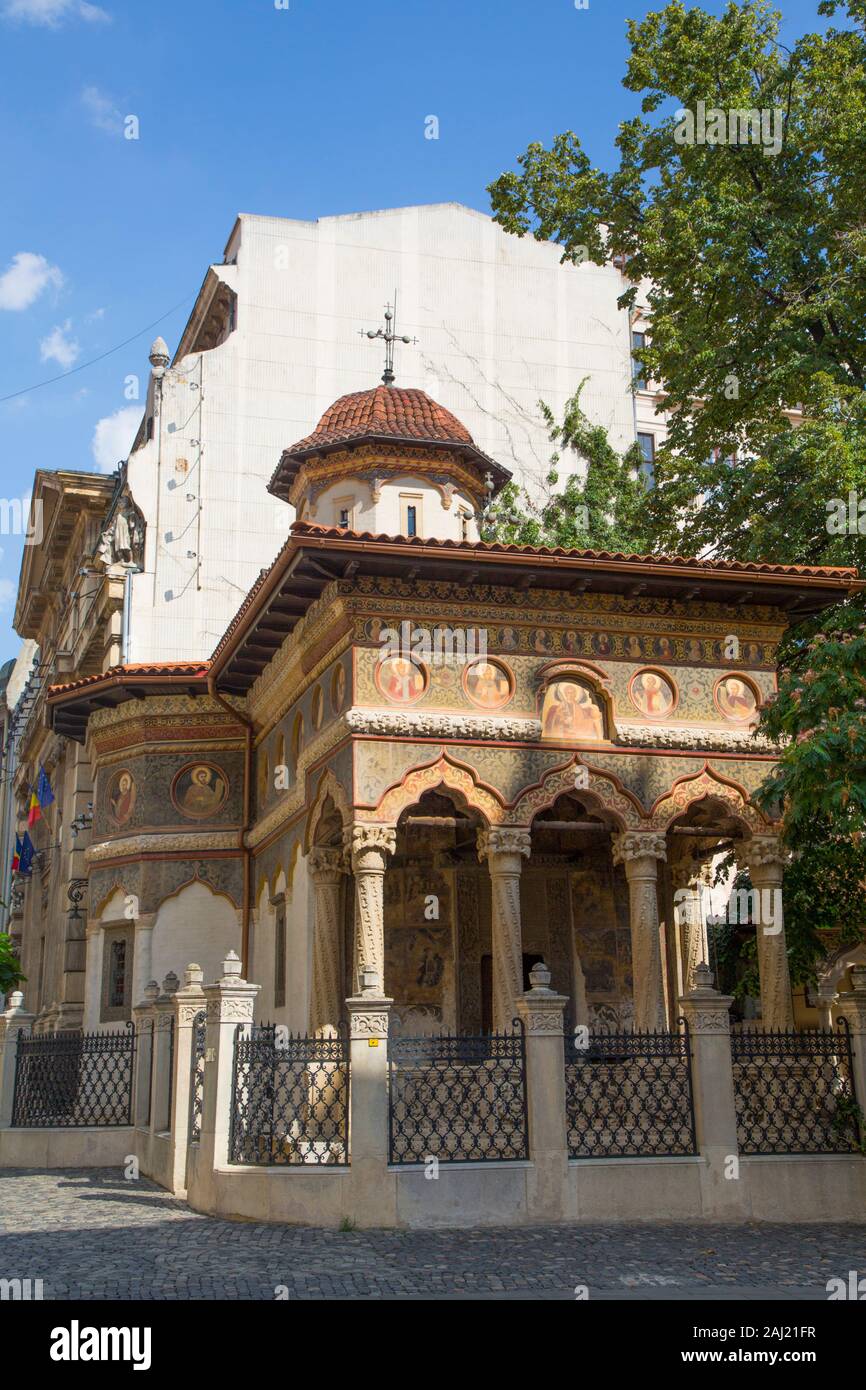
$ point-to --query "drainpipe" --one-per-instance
(127, 610)
(245, 821)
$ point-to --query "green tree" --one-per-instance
(10, 968)
(756, 260)
(601, 508)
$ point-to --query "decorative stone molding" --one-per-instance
(705, 1010)
(327, 865)
(631, 845)
(363, 837)
(442, 772)
(436, 724)
(696, 736)
(707, 784)
(503, 839)
(155, 842)
(368, 1023)
(541, 1009)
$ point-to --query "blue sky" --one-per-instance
(304, 111)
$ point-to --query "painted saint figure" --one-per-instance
(571, 711)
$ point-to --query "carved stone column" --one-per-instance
(640, 852)
(690, 878)
(369, 847)
(326, 872)
(504, 847)
(766, 860)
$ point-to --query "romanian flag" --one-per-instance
(34, 812)
(16, 857)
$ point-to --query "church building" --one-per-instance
(427, 762)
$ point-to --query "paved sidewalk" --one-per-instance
(89, 1234)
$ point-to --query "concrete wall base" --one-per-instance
(66, 1148)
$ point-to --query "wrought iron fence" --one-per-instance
(630, 1095)
(458, 1099)
(74, 1079)
(199, 1036)
(291, 1097)
(794, 1091)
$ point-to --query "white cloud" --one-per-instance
(50, 13)
(113, 436)
(102, 111)
(26, 278)
(59, 346)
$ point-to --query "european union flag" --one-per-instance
(43, 789)
(25, 862)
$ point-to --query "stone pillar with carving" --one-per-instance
(541, 1010)
(163, 1047)
(229, 1002)
(144, 1019)
(370, 847)
(852, 1007)
(707, 1013)
(689, 878)
(374, 1189)
(93, 947)
(504, 847)
(142, 952)
(15, 1021)
(766, 860)
(188, 1002)
(640, 853)
(326, 873)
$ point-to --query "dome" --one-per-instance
(386, 415)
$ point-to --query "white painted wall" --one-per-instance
(195, 926)
(500, 324)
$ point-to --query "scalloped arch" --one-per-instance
(604, 789)
(328, 786)
(441, 773)
(709, 782)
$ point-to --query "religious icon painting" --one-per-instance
(602, 644)
(199, 790)
(508, 639)
(753, 653)
(541, 641)
(338, 689)
(401, 680)
(487, 684)
(571, 643)
(652, 694)
(121, 798)
(571, 711)
(664, 648)
(694, 649)
(632, 647)
(736, 699)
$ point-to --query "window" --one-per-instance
(638, 374)
(647, 444)
(343, 512)
(410, 514)
(117, 975)
(116, 992)
(280, 954)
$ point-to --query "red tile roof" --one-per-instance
(309, 528)
(195, 670)
(381, 411)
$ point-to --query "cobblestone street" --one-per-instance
(92, 1235)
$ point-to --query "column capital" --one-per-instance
(691, 874)
(326, 865)
(370, 845)
(766, 855)
(503, 839)
(631, 846)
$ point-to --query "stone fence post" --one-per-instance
(15, 1021)
(374, 1190)
(852, 1007)
(707, 1013)
(230, 1001)
(540, 1010)
(160, 1112)
(188, 1002)
(144, 1018)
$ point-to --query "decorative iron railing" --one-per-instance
(794, 1091)
(458, 1099)
(74, 1079)
(199, 1036)
(629, 1095)
(291, 1097)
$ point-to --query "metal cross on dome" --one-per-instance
(389, 336)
